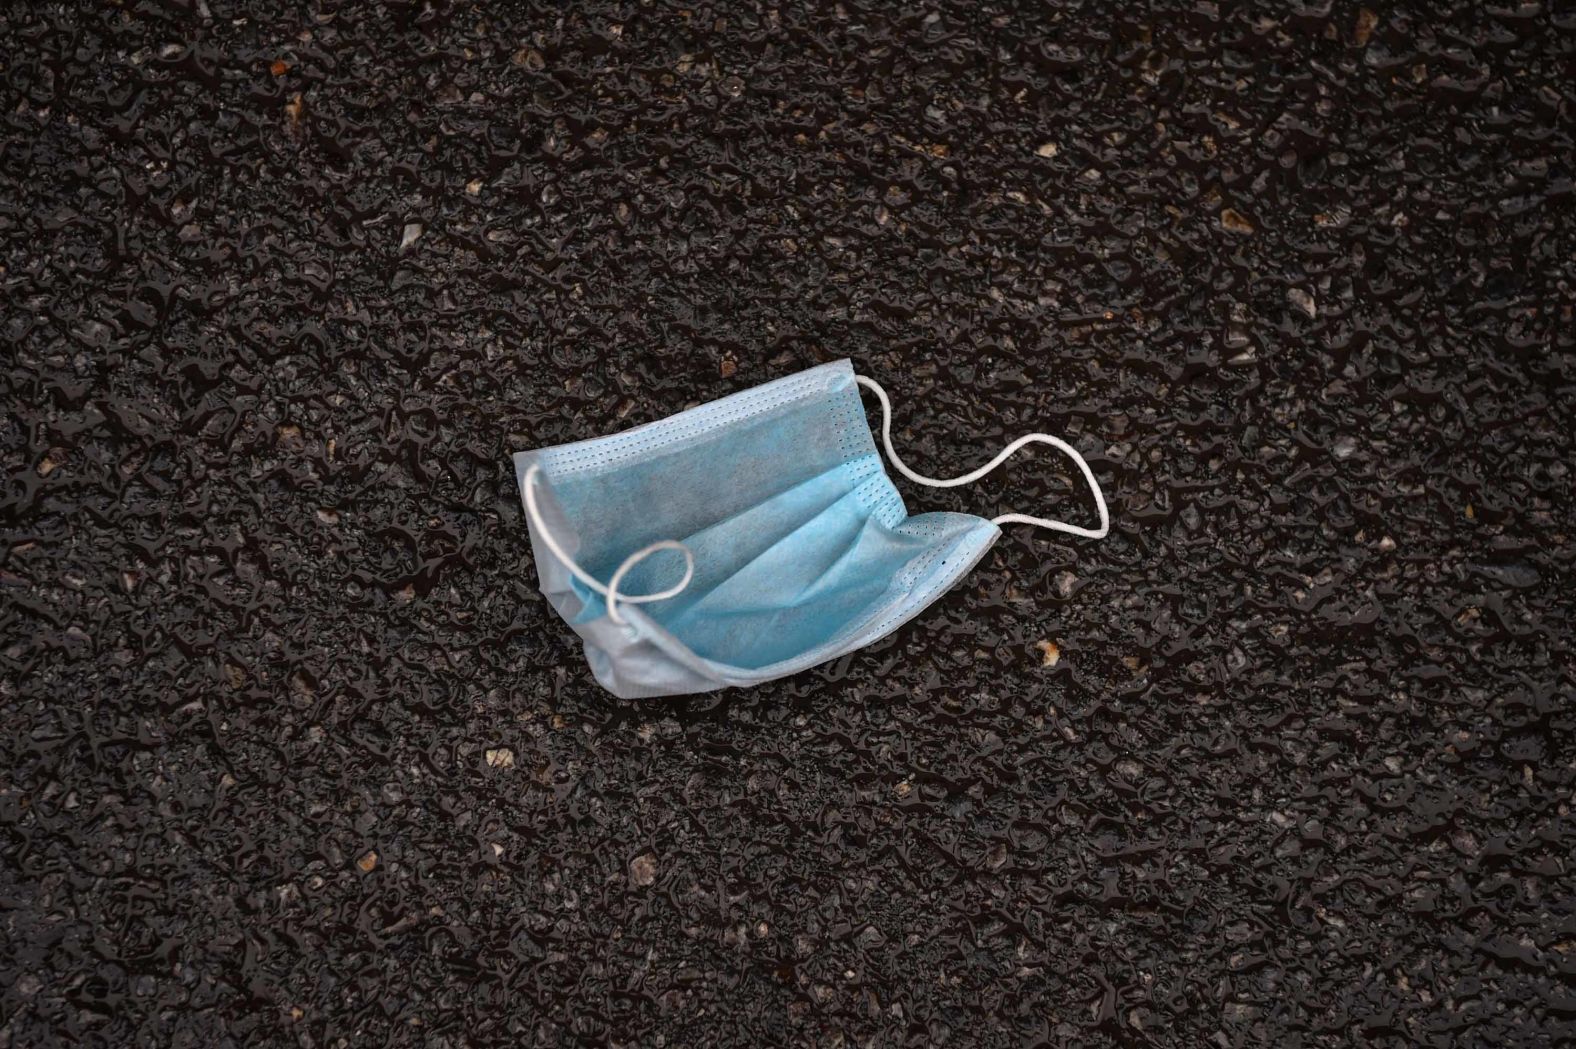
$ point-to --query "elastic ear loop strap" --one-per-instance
(610, 591)
(969, 478)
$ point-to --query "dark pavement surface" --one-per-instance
(293, 752)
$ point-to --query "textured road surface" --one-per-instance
(294, 754)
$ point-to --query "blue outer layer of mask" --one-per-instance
(802, 547)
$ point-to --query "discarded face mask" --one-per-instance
(747, 539)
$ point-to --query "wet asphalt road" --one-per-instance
(294, 753)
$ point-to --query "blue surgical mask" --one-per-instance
(747, 539)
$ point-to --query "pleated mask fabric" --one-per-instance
(746, 539)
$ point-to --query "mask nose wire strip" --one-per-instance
(610, 591)
(970, 478)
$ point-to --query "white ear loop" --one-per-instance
(611, 590)
(969, 478)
